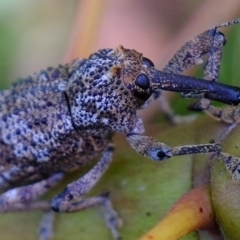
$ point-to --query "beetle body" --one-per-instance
(59, 119)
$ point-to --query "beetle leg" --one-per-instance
(149, 147)
(46, 226)
(71, 199)
(22, 199)
(212, 67)
(232, 164)
(190, 54)
(211, 72)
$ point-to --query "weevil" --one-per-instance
(57, 120)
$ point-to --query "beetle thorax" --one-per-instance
(100, 100)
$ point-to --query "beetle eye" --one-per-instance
(147, 62)
(142, 81)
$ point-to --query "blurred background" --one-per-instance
(37, 34)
